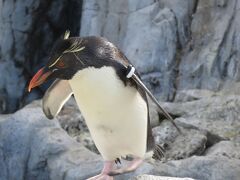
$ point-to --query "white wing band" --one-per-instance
(131, 72)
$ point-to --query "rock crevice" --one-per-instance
(28, 30)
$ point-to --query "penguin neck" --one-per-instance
(95, 79)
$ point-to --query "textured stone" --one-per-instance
(32, 147)
(229, 149)
(157, 53)
(193, 94)
(148, 32)
(179, 146)
(104, 18)
(218, 114)
(212, 57)
(2, 117)
(202, 167)
(183, 11)
(149, 177)
(37, 148)
(190, 44)
(28, 29)
(178, 47)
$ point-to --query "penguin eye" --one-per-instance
(60, 64)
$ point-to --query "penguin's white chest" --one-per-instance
(116, 115)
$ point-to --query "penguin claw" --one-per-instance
(118, 161)
(131, 167)
(108, 165)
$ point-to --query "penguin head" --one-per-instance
(63, 62)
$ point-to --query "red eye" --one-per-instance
(60, 64)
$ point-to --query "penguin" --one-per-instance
(109, 93)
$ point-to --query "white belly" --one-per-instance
(115, 114)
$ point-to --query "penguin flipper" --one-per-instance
(150, 138)
(165, 113)
(55, 97)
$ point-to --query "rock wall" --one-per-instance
(32, 147)
(28, 29)
(212, 56)
(175, 44)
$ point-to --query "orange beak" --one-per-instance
(39, 78)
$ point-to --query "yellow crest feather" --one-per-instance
(66, 34)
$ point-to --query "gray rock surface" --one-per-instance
(209, 125)
(37, 148)
(193, 94)
(32, 147)
(186, 51)
(181, 44)
(28, 29)
(217, 115)
(179, 146)
(211, 58)
(185, 44)
(149, 177)
(229, 149)
(146, 31)
(202, 167)
(3, 116)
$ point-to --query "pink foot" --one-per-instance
(101, 177)
(133, 165)
(108, 165)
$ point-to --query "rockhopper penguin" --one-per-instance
(113, 104)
